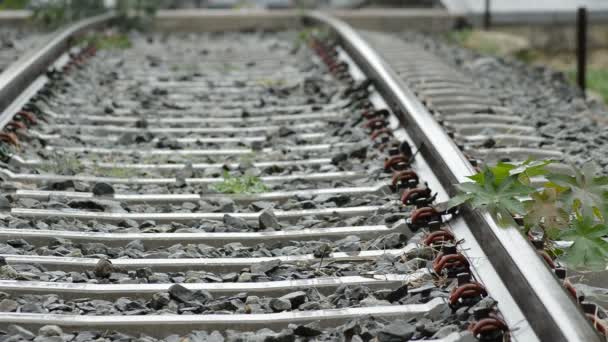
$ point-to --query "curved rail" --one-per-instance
(547, 306)
(15, 79)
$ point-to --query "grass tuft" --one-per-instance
(240, 185)
(62, 165)
(119, 172)
(597, 80)
(113, 41)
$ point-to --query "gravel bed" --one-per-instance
(107, 273)
(14, 43)
(151, 226)
(180, 300)
(242, 165)
(305, 202)
(435, 326)
(541, 96)
(136, 249)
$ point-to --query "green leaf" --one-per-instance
(589, 250)
(501, 171)
(500, 198)
(502, 216)
(458, 200)
(582, 191)
(530, 168)
(469, 187)
(477, 178)
(240, 185)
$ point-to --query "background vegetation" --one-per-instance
(52, 14)
(503, 44)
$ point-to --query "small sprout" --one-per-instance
(120, 172)
(108, 41)
(240, 185)
(62, 164)
(227, 67)
(5, 152)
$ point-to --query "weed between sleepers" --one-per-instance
(246, 184)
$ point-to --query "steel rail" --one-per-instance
(552, 313)
(16, 78)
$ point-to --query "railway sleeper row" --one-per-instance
(342, 242)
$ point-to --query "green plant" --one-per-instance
(582, 191)
(54, 13)
(305, 35)
(240, 185)
(118, 172)
(597, 80)
(589, 249)
(571, 208)
(5, 152)
(132, 14)
(136, 14)
(107, 41)
(62, 164)
(227, 67)
(459, 37)
(498, 189)
(14, 4)
(545, 210)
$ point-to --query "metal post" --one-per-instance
(486, 16)
(581, 48)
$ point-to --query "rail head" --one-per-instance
(552, 313)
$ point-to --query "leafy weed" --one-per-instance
(240, 185)
(568, 207)
(62, 164)
(108, 41)
(119, 172)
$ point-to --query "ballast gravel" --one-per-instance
(15, 43)
(541, 96)
(180, 300)
(356, 330)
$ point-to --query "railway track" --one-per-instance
(14, 43)
(248, 186)
(483, 127)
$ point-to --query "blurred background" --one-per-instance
(537, 32)
(228, 4)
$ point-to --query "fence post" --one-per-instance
(581, 48)
(486, 16)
